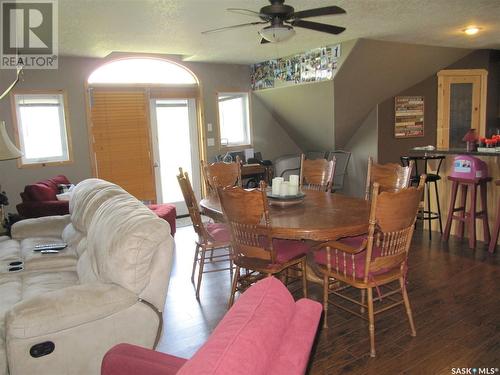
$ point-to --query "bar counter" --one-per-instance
(493, 162)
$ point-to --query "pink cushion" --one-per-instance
(359, 259)
(126, 359)
(286, 249)
(250, 334)
(219, 232)
(289, 249)
(296, 344)
(166, 212)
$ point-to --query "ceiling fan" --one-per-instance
(283, 18)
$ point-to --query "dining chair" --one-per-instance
(211, 236)
(253, 247)
(220, 173)
(377, 260)
(390, 176)
(316, 174)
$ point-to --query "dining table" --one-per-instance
(321, 216)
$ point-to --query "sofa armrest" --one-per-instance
(293, 354)
(66, 308)
(32, 209)
(127, 359)
(48, 226)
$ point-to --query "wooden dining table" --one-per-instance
(320, 217)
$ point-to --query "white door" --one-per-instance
(175, 144)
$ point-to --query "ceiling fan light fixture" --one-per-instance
(471, 30)
(278, 33)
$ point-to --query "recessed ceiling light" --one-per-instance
(471, 30)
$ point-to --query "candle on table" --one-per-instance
(276, 183)
(284, 188)
(293, 189)
(294, 179)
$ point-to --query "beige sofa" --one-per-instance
(60, 313)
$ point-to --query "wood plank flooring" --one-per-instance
(454, 293)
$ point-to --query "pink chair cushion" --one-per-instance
(219, 232)
(131, 359)
(286, 249)
(250, 334)
(358, 266)
(289, 249)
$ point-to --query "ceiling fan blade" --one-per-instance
(318, 26)
(325, 11)
(233, 27)
(248, 12)
(264, 41)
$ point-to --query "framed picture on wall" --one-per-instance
(408, 116)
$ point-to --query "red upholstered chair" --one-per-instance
(39, 199)
(253, 247)
(265, 332)
(377, 260)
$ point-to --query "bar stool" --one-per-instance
(472, 215)
(494, 235)
(426, 213)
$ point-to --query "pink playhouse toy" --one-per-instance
(469, 167)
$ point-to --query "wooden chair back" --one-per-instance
(316, 174)
(390, 177)
(221, 174)
(247, 213)
(391, 226)
(192, 205)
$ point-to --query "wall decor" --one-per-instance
(319, 64)
(408, 116)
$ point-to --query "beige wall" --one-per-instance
(71, 76)
(362, 145)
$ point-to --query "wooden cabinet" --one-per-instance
(461, 105)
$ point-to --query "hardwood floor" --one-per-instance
(454, 293)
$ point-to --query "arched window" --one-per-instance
(142, 70)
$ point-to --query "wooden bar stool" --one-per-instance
(470, 216)
(494, 235)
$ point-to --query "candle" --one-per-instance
(293, 189)
(284, 188)
(294, 180)
(276, 185)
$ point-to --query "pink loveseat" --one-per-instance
(265, 332)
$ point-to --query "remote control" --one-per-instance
(49, 252)
(50, 246)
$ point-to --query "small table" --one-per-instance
(321, 217)
(249, 170)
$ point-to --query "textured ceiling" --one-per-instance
(99, 27)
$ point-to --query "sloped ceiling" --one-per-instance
(305, 112)
(325, 115)
(375, 71)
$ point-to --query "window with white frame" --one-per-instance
(41, 127)
(234, 119)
